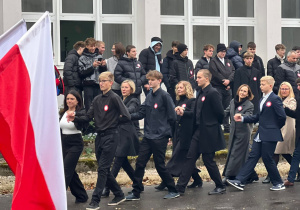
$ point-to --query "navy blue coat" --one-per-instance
(271, 119)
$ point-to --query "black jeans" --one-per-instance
(226, 98)
(157, 147)
(72, 146)
(105, 149)
(90, 92)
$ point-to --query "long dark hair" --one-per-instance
(77, 96)
(119, 50)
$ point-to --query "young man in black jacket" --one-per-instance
(151, 57)
(158, 111)
(277, 60)
(182, 68)
(72, 79)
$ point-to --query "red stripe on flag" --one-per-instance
(31, 191)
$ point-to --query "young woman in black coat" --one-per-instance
(182, 134)
(72, 144)
(129, 143)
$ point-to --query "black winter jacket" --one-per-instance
(147, 58)
(201, 64)
(182, 69)
(130, 69)
(257, 63)
(166, 66)
(272, 66)
(233, 54)
(71, 71)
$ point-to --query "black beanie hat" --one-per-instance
(156, 39)
(181, 48)
(221, 47)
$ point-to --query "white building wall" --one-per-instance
(10, 14)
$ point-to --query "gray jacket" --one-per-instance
(111, 64)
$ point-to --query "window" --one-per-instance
(172, 7)
(206, 8)
(170, 33)
(116, 6)
(113, 33)
(71, 32)
(290, 8)
(238, 8)
(77, 6)
(37, 6)
(204, 35)
(290, 37)
(242, 34)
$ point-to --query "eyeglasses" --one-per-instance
(285, 89)
(102, 81)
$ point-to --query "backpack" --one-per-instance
(60, 86)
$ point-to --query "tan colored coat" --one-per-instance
(288, 130)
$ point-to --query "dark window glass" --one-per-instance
(290, 37)
(203, 35)
(290, 8)
(170, 33)
(73, 31)
(113, 33)
(242, 34)
(37, 6)
(206, 8)
(116, 6)
(77, 6)
(240, 8)
(172, 7)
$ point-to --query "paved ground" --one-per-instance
(255, 196)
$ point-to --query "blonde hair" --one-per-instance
(131, 84)
(98, 43)
(269, 79)
(291, 95)
(188, 89)
(108, 75)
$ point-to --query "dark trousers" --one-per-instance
(72, 146)
(158, 148)
(90, 92)
(226, 98)
(295, 163)
(171, 91)
(122, 162)
(105, 149)
(264, 149)
(189, 169)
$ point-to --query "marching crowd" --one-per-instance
(233, 94)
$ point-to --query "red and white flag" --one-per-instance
(10, 37)
(30, 137)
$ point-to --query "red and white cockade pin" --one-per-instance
(228, 64)
(105, 108)
(203, 98)
(298, 74)
(183, 105)
(191, 72)
(155, 106)
(240, 108)
(254, 78)
(268, 104)
(138, 65)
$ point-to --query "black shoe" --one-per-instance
(217, 190)
(196, 184)
(252, 179)
(224, 181)
(105, 193)
(93, 205)
(267, 180)
(77, 201)
(236, 183)
(117, 201)
(161, 186)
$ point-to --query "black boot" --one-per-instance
(161, 186)
(267, 180)
(105, 192)
(197, 181)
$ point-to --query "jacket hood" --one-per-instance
(125, 58)
(170, 54)
(154, 43)
(235, 45)
(231, 53)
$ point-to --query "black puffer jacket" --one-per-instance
(71, 71)
(130, 69)
(201, 64)
(166, 66)
(272, 66)
(233, 54)
(147, 58)
(182, 69)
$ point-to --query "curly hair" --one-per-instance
(188, 88)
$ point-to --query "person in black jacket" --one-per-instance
(151, 57)
(275, 62)
(257, 61)
(158, 112)
(182, 69)
(72, 79)
(128, 67)
(297, 50)
(166, 66)
(72, 144)
(233, 53)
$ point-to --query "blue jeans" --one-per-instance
(295, 163)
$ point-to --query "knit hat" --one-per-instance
(153, 39)
(181, 48)
(221, 47)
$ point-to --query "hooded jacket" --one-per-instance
(130, 69)
(71, 71)
(233, 54)
(150, 59)
(166, 66)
